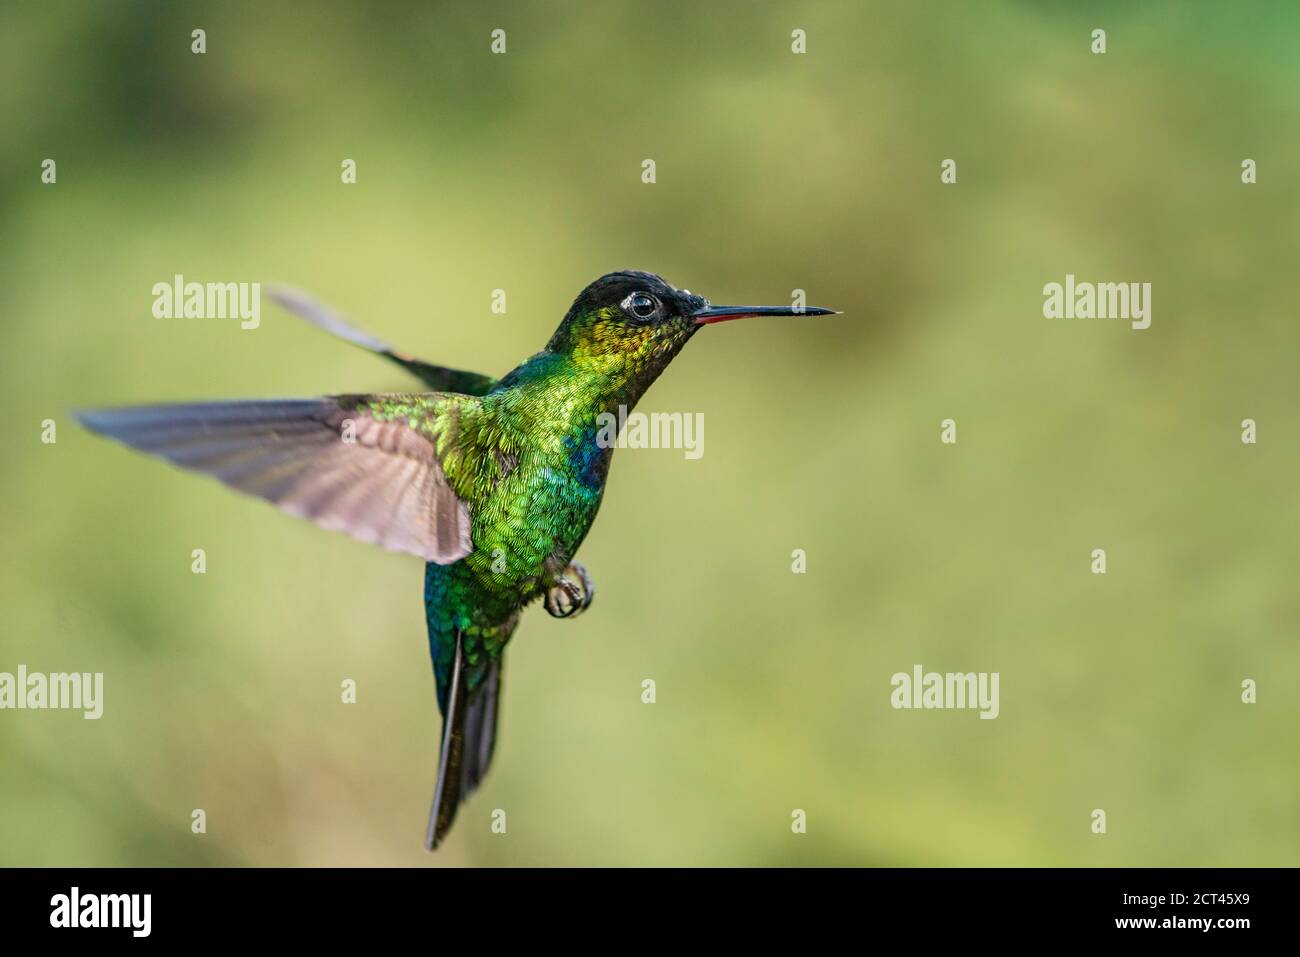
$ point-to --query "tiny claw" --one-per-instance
(564, 599)
(568, 598)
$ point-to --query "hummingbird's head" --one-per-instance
(636, 322)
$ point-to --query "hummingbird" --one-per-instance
(494, 483)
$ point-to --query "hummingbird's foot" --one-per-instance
(571, 594)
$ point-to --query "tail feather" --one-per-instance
(468, 740)
(481, 729)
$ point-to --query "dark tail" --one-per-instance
(469, 731)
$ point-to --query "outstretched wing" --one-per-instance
(352, 464)
(438, 378)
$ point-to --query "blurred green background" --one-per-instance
(775, 171)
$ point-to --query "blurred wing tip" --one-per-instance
(303, 305)
(103, 422)
(286, 295)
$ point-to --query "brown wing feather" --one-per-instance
(385, 486)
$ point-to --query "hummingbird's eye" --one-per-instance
(640, 305)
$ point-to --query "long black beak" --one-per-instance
(723, 313)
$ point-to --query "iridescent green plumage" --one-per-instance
(494, 483)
